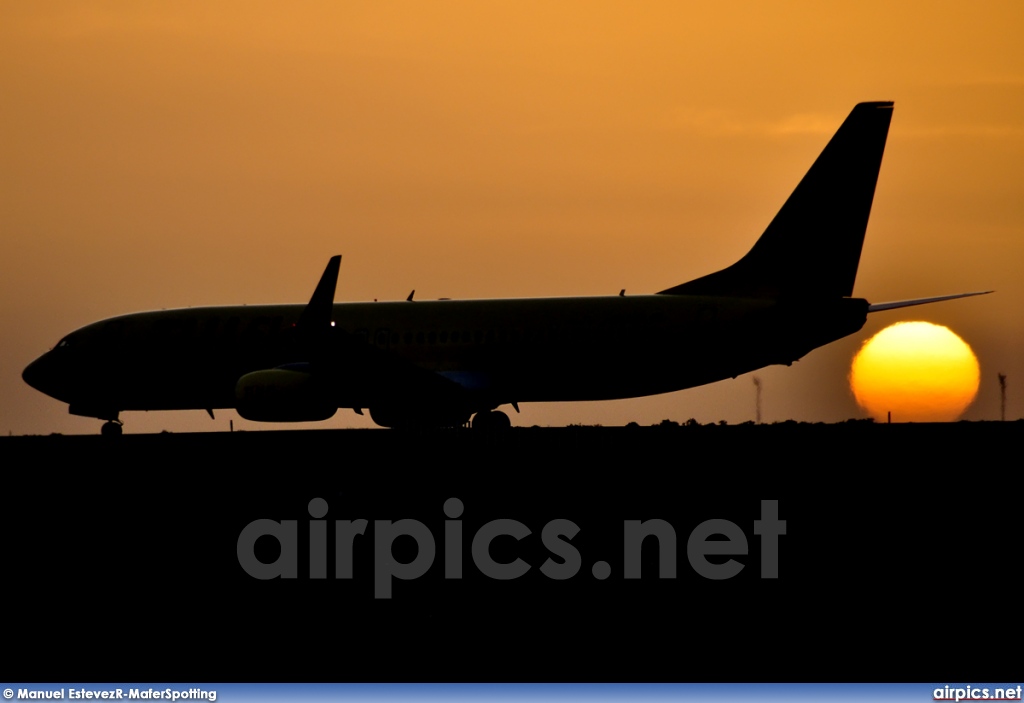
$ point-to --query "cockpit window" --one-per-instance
(62, 344)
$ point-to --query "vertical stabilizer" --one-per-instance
(813, 246)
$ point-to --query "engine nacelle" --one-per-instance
(282, 395)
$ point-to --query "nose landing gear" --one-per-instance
(112, 428)
(493, 420)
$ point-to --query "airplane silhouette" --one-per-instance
(440, 363)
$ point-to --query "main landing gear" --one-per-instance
(112, 428)
(492, 420)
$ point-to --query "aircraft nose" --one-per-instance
(32, 373)
(40, 374)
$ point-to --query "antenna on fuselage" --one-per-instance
(411, 294)
(1002, 396)
(757, 392)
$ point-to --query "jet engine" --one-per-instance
(282, 395)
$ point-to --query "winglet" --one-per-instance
(319, 310)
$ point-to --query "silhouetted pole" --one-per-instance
(1002, 397)
(757, 392)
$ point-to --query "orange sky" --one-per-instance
(166, 154)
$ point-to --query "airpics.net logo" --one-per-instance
(712, 547)
(976, 693)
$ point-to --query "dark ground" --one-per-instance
(901, 559)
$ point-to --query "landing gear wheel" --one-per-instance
(111, 429)
(493, 420)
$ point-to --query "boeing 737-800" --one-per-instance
(440, 363)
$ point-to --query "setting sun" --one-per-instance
(918, 371)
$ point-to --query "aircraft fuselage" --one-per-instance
(438, 363)
(501, 351)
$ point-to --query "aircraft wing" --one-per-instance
(878, 307)
(352, 363)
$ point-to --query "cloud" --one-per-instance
(995, 131)
(725, 122)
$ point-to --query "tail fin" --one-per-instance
(812, 247)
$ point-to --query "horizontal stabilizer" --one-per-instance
(878, 307)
